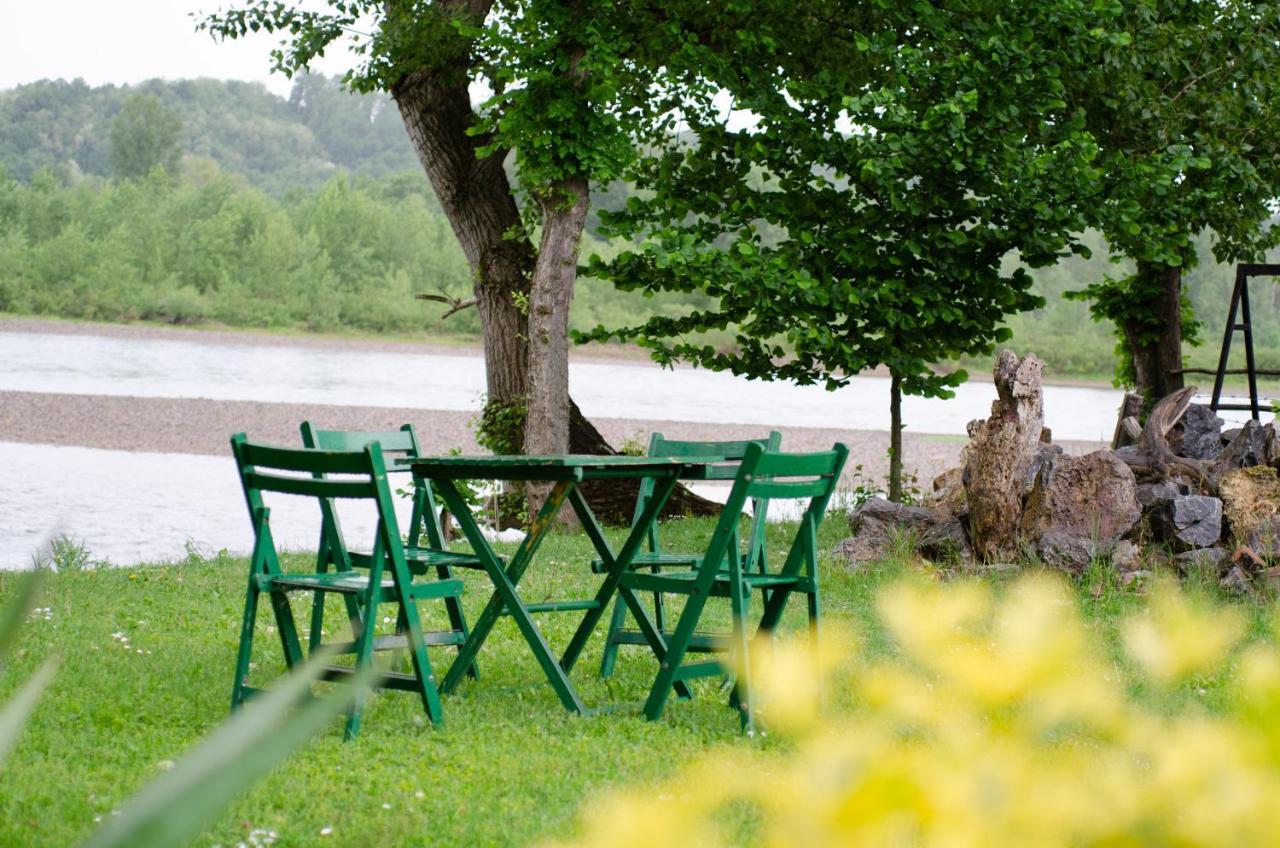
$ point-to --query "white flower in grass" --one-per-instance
(326, 830)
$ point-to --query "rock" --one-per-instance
(1250, 497)
(947, 500)
(1125, 555)
(1000, 450)
(1264, 539)
(1273, 445)
(1245, 557)
(887, 512)
(1066, 551)
(945, 541)
(1092, 496)
(1152, 494)
(1236, 581)
(1203, 560)
(1189, 521)
(873, 541)
(1044, 458)
(1247, 447)
(1201, 436)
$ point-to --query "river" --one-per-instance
(130, 507)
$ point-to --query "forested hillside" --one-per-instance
(312, 212)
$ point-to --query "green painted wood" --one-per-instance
(554, 468)
(724, 458)
(431, 557)
(565, 472)
(721, 573)
(387, 578)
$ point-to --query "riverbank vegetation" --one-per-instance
(146, 656)
(311, 213)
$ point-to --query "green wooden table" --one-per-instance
(564, 473)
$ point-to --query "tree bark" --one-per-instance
(477, 199)
(613, 501)
(564, 213)
(1157, 358)
(895, 438)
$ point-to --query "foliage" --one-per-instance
(863, 219)
(994, 723)
(146, 135)
(278, 144)
(862, 488)
(116, 718)
(1182, 105)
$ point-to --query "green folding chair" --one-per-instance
(423, 555)
(725, 572)
(657, 558)
(379, 577)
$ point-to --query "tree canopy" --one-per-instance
(1184, 111)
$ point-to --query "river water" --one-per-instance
(131, 507)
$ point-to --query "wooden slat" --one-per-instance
(774, 489)
(557, 606)
(311, 486)
(305, 460)
(709, 668)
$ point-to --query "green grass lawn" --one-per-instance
(146, 661)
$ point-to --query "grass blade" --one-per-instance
(13, 715)
(16, 612)
(177, 807)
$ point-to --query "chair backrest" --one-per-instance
(773, 475)
(321, 474)
(394, 444)
(732, 452)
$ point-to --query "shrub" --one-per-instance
(996, 723)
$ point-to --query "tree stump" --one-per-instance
(1000, 450)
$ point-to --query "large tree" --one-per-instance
(900, 154)
(145, 135)
(1184, 109)
(573, 84)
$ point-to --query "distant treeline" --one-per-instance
(277, 144)
(206, 247)
(313, 212)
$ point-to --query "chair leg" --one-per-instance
(742, 697)
(610, 658)
(246, 643)
(364, 656)
(677, 647)
(457, 620)
(412, 624)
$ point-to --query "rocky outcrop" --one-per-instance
(1000, 452)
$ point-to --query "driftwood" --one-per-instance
(1152, 459)
(1000, 451)
(1128, 427)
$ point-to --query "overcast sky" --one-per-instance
(128, 41)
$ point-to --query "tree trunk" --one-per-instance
(895, 438)
(613, 501)
(1157, 353)
(477, 199)
(564, 213)
(1000, 451)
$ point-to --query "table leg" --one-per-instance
(618, 564)
(505, 594)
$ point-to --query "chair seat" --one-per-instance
(355, 582)
(650, 559)
(433, 557)
(682, 583)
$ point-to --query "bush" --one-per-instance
(997, 724)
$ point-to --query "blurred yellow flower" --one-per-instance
(996, 724)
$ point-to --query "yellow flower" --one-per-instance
(1174, 639)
